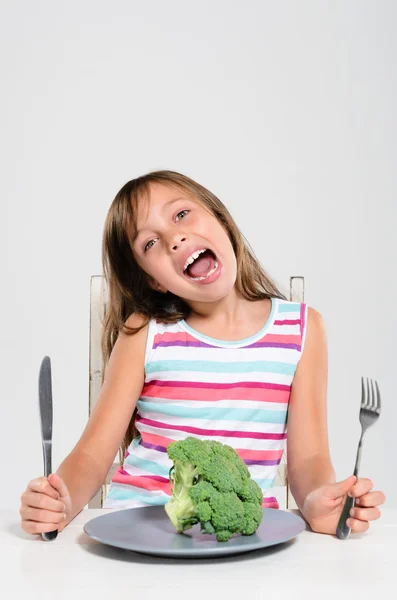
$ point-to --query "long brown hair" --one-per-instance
(127, 284)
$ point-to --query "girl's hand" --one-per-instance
(322, 507)
(45, 505)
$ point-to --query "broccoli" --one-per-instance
(211, 485)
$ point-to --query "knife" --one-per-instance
(45, 403)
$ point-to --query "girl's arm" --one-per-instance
(308, 457)
(85, 468)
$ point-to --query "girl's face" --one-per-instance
(171, 227)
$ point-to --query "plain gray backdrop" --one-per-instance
(285, 110)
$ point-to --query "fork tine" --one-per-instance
(375, 392)
(362, 392)
(368, 394)
(377, 395)
(371, 395)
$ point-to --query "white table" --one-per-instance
(311, 566)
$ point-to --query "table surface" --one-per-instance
(305, 567)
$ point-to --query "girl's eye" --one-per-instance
(182, 213)
(148, 246)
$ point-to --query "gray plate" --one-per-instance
(148, 530)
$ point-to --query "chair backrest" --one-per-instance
(98, 301)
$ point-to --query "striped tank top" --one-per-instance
(235, 392)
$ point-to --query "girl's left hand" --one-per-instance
(323, 506)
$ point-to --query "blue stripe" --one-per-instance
(290, 307)
(152, 467)
(264, 483)
(125, 494)
(210, 366)
(222, 414)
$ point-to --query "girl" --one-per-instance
(198, 341)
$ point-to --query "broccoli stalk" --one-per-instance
(211, 485)
(182, 510)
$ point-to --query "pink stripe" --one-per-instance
(287, 322)
(220, 386)
(172, 337)
(149, 483)
(180, 392)
(220, 432)
(156, 440)
(281, 339)
(182, 338)
(270, 503)
(225, 386)
(260, 454)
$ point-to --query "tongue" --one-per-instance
(202, 265)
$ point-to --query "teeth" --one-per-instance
(208, 274)
(193, 257)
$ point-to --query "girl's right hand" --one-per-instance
(45, 505)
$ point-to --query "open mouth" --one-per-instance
(204, 265)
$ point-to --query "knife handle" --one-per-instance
(50, 535)
(47, 458)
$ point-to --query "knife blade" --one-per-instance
(45, 404)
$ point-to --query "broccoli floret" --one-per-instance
(211, 485)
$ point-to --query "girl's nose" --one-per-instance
(176, 241)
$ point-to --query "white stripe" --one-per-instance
(284, 329)
(212, 424)
(192, 376)
(248, 404)
(287, 355)
(156, 456)
(262, 471)
(135, 471)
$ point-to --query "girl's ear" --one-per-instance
(156, 286)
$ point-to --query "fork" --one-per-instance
(369, 413)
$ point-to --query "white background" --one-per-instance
(285, 110)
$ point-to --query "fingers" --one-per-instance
(58, 484)
(357, 526)
(361, 487)
(371, 499)
(365, 509)
(365, 514)
(35, 500)
(35, 527)
(42, 516)
(42, 510)
(42, 485)
(341, 488)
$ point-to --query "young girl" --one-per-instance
(198, 341)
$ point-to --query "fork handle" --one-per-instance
(359, 450)
(343, 531)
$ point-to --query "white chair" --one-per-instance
(98, 300)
